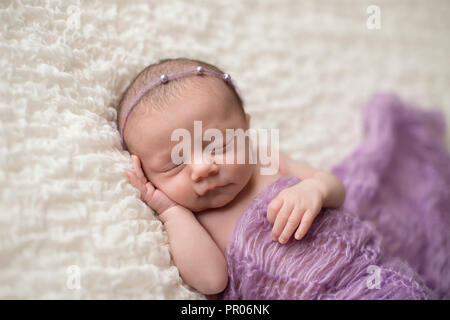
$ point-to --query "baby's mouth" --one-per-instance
(212, 189)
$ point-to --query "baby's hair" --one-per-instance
(158, 96)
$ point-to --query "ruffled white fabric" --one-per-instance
(71, 226)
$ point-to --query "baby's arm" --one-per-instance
(200, 262)
(332, 187)
(296, 207)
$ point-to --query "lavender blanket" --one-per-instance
(390, 240)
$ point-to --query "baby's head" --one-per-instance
(176, 104)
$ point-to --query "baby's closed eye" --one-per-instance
(220, 148)
(174, 166)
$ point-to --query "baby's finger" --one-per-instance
(149, 192)
(131, 176)
(291, 224)
(135, 182)
(305, 224)
(281, 220)
(273, 209)
(137, 166)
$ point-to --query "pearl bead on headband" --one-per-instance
(164, 78)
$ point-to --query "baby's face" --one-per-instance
(196, 185)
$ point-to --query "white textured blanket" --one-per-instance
(71, 226)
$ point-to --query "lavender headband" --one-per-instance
(164, 78)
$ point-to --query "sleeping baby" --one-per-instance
(209, 191)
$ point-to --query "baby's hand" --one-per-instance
(153, 197)
(299, 203)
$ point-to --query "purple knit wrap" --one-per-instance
(390, 240)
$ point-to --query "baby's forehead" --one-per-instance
(204, 99)
(189, 94)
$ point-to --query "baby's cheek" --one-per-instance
(179, 190)
(243, 153)
(239, 173)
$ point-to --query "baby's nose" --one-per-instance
(203, 169)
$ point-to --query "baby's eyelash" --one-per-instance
(213, 151)
(226, 143)
(176, 166)
(222, 147)
(172, 167)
